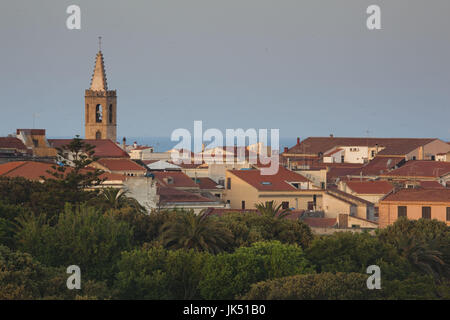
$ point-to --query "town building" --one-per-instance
(415, 203)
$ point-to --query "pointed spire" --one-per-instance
(98, 82)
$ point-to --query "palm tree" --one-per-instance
(117, 198)
(199, 232)
(271, 209)
(422, 256)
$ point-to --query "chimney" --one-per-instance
(421, 153)
(135, 144)
(203, 147)
(298, 140)
(124, 143)
(331, 135)
(286, 149)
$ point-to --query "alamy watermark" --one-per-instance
(74, 281)
(232, 151)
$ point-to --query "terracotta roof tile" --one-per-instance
(208, 183)
(117, 164)
(175, 179)
(12, 143)
(172, 195)
(419, 194)
(277, 182)
(104, 148)
(393, 146)
(420, 168)
(320, 222)
(370, 187)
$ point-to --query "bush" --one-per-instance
(229, 275)
(323, 286)
(81, 236)
(23, 277)
(250, 227)
(347, 252)
(157, 273)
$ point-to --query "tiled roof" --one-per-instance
(33, 170)
(117, 164)
(172, 195)
(370, 187)
(34, 132)
(208, 183)
(420, 168)
(380, 165)
(393, 146)
(332, 152)
(104, 148)
(340, 172)
(431, 185)
(27, 169)
(333, 191)
(277, 182)
(320, 222)
(419, 194)
(178, 179)
(12, 143)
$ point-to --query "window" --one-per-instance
(98, 135)
(401, 211)
(98, 113)
(228, 183)
(448, 213)
(373, 153)
(433, 158)
(110, 113)
(285, 204)
(426, 212)
(243, 205)
(35, 143)
(342, 158)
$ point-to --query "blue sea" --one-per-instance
(161, 144)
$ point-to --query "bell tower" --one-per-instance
(100, 105)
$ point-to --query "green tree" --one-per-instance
(271, 209)
(347, 252)
(199, 232)
(23, 277)
(157, 273)
(251, 227)
(72, 170)
(81, 236)
(115, 198)
(424, 243)
(229, 275)
(323, 286)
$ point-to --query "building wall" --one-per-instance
(316, 176)
(388, 213)
(106, 128)
(242, 191)
(333, 206)
(430, 149)
(356, 156)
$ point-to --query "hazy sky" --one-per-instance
(309, 68)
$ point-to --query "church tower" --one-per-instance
(100, 105)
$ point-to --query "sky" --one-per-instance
(308, 68)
